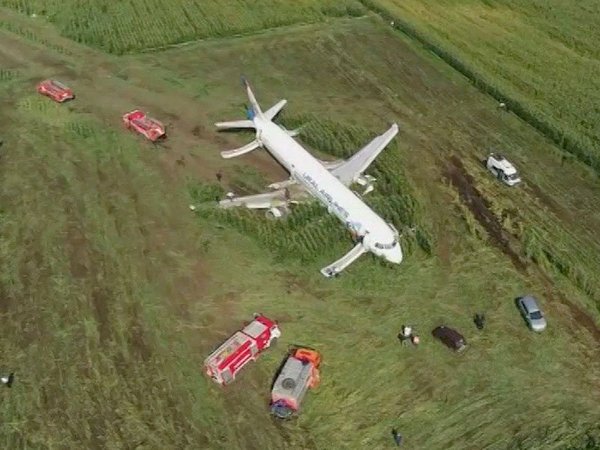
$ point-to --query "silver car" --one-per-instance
(531, 313)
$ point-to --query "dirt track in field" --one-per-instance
(107, 89)
(480, 208)
(463, 182)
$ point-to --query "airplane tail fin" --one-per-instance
(255, 107)
(252, 111)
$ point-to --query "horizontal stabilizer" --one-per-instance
(235, 124)
(240, 151)
(274, 110)
(335, 268)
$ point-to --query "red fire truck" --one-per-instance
(55, 90)
(138, 121)
(244, 346)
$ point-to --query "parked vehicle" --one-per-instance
(450, 337)
(55, 90)
(150, 128)
(243, 346)
(528, 306)
(502, 169)
(299, 373)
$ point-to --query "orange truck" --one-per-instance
(299, 373)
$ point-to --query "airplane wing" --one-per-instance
(353, 168)
(277, 198)
(331, 165)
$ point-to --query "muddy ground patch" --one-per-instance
(470, 196)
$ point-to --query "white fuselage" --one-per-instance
(377, 236)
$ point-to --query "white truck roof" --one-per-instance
(503, 164)
(292, 382)
(255, 329)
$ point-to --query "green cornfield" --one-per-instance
(134, 25)
(541, 57)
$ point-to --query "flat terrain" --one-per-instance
(134, 25)
(542, 55)
(113, 292)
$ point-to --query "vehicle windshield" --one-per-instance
(514, 176)
(386, 246)
(536, 315)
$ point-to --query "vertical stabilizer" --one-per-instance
(255, 106)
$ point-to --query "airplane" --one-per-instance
(328, 182)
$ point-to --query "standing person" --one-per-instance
(479, 321)
(8, 380)
(397, 437)
(406, 331)
(219, 175)
(405, 334)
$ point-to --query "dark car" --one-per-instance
(450, 337)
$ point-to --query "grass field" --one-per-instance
(113, 292)
(133, 25)
(542, 56)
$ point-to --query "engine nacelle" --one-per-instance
(277, 212)
(367, 182)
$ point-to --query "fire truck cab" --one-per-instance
(299, 373)
(243, 346)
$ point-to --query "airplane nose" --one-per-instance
(394, 255)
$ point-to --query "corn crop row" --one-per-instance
(550, 85)
(134, 25)
(543, 250)
(32, 36)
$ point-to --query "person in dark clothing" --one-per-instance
(8, 380)
(219, 175)
(479, 320)
(397, 437)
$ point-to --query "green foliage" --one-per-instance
(550, 254)
(29, 34)
(134, 25)
(204, 192)
(537, 57)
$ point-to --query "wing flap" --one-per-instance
(331, 165)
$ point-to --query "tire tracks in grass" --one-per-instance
(510, 245)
